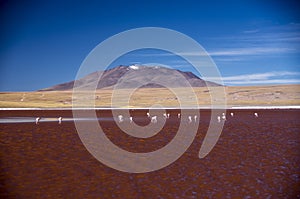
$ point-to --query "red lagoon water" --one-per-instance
(254, 158)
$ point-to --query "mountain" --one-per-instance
(131, 76)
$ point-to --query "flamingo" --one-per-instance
(154, 119)
(223, 116)
(37, 120)
(120, 117)
(231, 114)
(195, 118)
(165, 115)
(59, 120)
(256, 114)
(190, 119)
(131, 119)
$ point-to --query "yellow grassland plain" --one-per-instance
(277, 95)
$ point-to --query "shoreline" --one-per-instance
(167, 108)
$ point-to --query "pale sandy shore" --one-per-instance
(167, 108)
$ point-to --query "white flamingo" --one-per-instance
(37, 120)
(190, 119)
(256, 114)
(195, 118)
(165, 115)
(154, 119)
(59, 120)
(120, 117)
(223, 116)
(219, 119)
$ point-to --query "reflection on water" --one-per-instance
(6, 120)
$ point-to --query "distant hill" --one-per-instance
(134, 76)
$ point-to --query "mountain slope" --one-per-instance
(131, 76)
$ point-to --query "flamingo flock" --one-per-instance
(153, 119)
(223, 117)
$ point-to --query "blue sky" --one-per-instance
(43, 43)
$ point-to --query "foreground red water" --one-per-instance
(254, 158)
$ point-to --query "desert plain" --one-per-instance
(273, 95)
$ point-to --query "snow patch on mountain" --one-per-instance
(134, 67)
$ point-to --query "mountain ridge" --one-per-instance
(131, 76)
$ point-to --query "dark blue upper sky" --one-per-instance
(44, 42)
